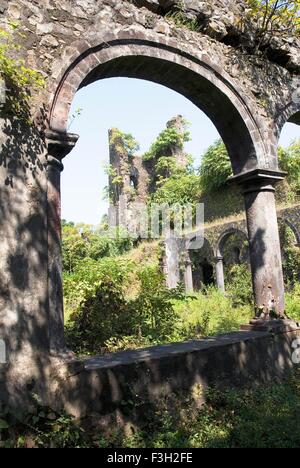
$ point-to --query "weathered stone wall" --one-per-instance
(54, 30)
(100, 385)
(135, 177)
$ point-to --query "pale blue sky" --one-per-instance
(134, 106)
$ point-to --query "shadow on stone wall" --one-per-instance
(143, 377)
(23, 260)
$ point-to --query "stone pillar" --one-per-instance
(172, 262)
(188, 274)
(220, 273)
(264, 243)
(59, 145)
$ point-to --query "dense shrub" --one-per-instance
(102, 319)
(80, 242)
(209, 313)
(166, 139)
(289, 161)
(182, 189)
(239, 284)
(293, 303)
(215, 167)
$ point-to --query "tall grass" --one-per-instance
(209, 313)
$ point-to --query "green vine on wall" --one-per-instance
(19, 82)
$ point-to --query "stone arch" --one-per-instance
(293, 228)
(202, 262)
(219, 258)
(289, 114)
(224, 236)
(165, 61)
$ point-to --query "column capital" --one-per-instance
(258, 180)
(59, 144)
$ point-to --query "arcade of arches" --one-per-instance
(224, 245)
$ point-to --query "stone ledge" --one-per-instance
(100, 385)
(164, 351)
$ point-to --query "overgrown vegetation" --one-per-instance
(166, 139)
(118, 303)
(215, 167)
(20, 81)
(271, 19)
(124, 141)
(178, 16)
(81, 241)
(289, 160)
(115, 295)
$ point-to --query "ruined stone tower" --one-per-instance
(133, 177)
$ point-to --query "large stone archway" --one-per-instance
(247, 99)
(193, 75)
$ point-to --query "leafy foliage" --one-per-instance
(289, 161)
(209, 313)
(20, 80)
(40, 428)
(126, 141)
(80, 242)
(104, 319)
(179, 188)
(167, 138)
(215, 167)
(293, 303)
(238, 279)
(274, 18)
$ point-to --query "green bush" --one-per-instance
(80, 242)
(156, 317)
(289, 161)
(215, 167)
(293, 303)
(101, 318)
(179, 189)
(166, 139)
(209, 313)
(239, 284)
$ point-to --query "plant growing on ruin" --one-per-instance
(178, 16)
(126, 141)
(112, 172)
(116, 180)
(19, 80)
(273, 18)
(166, 139)
(215, 167)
